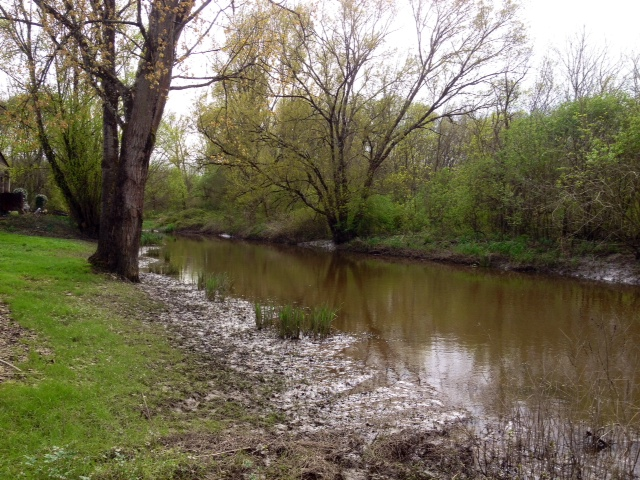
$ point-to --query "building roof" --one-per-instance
(3, 161)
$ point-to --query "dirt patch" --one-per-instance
(618, 268)
(12, 348)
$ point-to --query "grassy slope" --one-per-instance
(82, 396)
(105, 395)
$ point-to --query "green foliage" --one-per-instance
(381, 215)
(151, 238)
(186, 220)
(562, 176)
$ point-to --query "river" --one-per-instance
(479, 336)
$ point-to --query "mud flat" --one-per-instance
(318, 386)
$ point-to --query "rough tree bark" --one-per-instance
(126, 160)
(131, 113)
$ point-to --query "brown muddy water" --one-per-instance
(473, 334)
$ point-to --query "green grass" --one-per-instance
(266, 315)
(320, 320)
(216, 285)
(91, 374)
(151, 238)
(164, 268)
(291, 322)
(520, 251)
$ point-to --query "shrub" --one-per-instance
(41, 201)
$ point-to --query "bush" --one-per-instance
(381, 215)
(41, 201)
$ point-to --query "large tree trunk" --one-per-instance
(137, 145)
(103, 257)
(125, 174)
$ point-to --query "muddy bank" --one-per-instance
(337, 418)
(616, 268)
(347, 416)
(316, 385)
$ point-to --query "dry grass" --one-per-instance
(578, 420)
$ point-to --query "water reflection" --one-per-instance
(465, 331)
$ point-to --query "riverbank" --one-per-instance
(602, 263)
(596, 261)
(108, 380)
(581, 260)
(598, 264)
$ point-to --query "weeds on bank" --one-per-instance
(291, 321)
(578, 420)
(151, 238)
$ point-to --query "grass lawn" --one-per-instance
(93, 373)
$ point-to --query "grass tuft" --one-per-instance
(216, 285)
(151, 238)
(320, 320)
(266, 315)
(291, 322)
(164, 268)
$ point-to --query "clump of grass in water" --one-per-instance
(265, 315)
(151, 238)
(320, 320)
(164, 268)
(291, 321)
(215, 285)
(153, 253)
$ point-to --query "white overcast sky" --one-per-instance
(616, 22)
